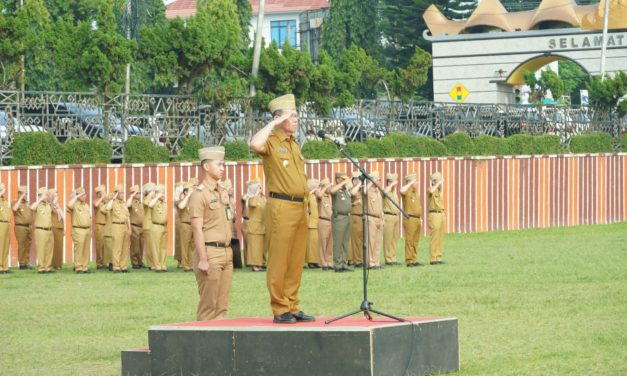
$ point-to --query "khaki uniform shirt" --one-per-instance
(184, 215)
(23, 215)
(436, 204)
(159, 213)
(119, 212)
(256, 212)
(341, 202)
(210, 202)
(375, 204)
(147, 222)
(412, 203)
(4, 210)
(388, 207)
(312, 220)
(81, 217)
(325, 208)
(101, 217)
(56, 221)
(356, 203)
(136, 212)
(103, 209)
(284, 166)
(43, 215)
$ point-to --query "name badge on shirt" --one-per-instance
(281, 150)
(229, 213)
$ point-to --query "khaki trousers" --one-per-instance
(119, 246)
(137, 245)
(390, 237)
(187, 245)
(81, 238)
(215, 285)
(437, 228)
(149, 252)
(23, 234)
(341, 240)
(5, 235)
(286, 236)
(107, 250)
(313, 247)
(375, 237)
(177, 243)
(412, 228)
(57, 254)
(159, 239)
(325, 239)
(357, 238)
(43, 244)
(255, 249)
(99, 240)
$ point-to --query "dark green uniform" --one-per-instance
(340, 222)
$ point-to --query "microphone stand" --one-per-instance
(366, 306)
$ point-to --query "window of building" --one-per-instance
(282, 31)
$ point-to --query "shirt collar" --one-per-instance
(209, 184)
(281, 135)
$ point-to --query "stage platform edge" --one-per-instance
(256, 346)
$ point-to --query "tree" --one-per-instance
(245, 14)
(406, 81)
(574, 78)
(607, 94)
(351, 22)
(458, 9)
(548, 80)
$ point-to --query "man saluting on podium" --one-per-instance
(286, 210)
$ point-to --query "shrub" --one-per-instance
(458, 144)
(36, 148)
(547, 144)
(139, 149)
(490, 145)
(320, 150)
(357, 149)
(404, 145)
(428, 147)
(381, 148)
(623, 142)
(521, 144)
(595, 142)
(238, 151)
(189, 150)
(85, 150)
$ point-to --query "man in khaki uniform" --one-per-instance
(437, 219)
(136, 212)
(108, 234)
(325, 231)
(340, 221)
(159, 228)
(413, 224)
(149, 252)
(256, 231)
(178, 196)
(120, 230)
(312, 257)
(81, 229)
(101, 221)
(211, 225)
(58, 230)
(286, 218)
(43, 230)
(374, 211)
(23, 217)
(186, 241)
(391, 231)
(357, 231)
(5, 231)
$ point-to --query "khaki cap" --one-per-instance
(313, 182)
(284, 102)
(52, 190)
(119, 188)
(100, 188)
(251, 182)
(410, 177)
(375, 174)
(193, 181)
(159, 188)
(135, 188)
(188, 185)
(213, 153)
(226, 183)
(340, 174)
(356, 174)
(22, 189)
(2, 186)
(79, 190)
(325, 181)
(391, 177)
(436, 176)
(179, 184)
(42, 191)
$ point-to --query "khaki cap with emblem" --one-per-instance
(119, 188)
(79, 191)
(100, 188)
(42, 191)
(436, 176)
(325, 181)
(410, 177)
(341, 175)
(52, 190)
(149, 186)
(215, 153)
(284, 102)
(134, 188)
(393, 177)
(22, 189)
(159, 188)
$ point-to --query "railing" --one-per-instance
(168, 119)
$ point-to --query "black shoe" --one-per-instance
(3, 272)
(8, 271)
(437, 262)
(125, 271)
(301, 316)
(23, 266)
(188, 270)
(415, 264)
(313, 266)
(101, 267)
(441, 262)
(110, 267)
(347, 269)
(136, 266)
(87, 271)
(117, 271)
(359, 265)
(285, 318)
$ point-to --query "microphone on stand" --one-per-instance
(326, 136)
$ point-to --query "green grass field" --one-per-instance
(534, 302)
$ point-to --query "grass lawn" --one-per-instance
(533, 302)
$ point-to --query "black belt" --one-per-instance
(21, 225)
(218, 244)
(134, 225)
(372, 215)
(359, 215)
(281, 196)
(79, 227)
(324, 219)
(4, 221)
(187, 223)
(390, 213)
(413, 216)
(246, 218)
(159, 224)
(44, 228)
(343, 213)
(436, 211)
(101, 224)
(118, 223)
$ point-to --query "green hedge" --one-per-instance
(357, 149)
(458, 144)
(595, 142)
(490, 145)
(85, 150)
(547, 144)
(138, 149)
(189, 150)
(238, 151)
(521, 144)
(320, 150)
(623, 142)
(36, 148)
